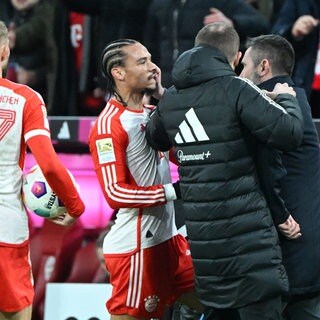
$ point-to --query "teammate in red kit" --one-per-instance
(149, 263)
(23, 123)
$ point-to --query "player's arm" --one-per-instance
(277, 123)
(56, 174)
(37, 137)
(109, 157)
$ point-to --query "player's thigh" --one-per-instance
(16, 289)
(24, 314)
(141, 283)
(182, 270)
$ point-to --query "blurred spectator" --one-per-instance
(269, 8)
(298, 22)
(31, 61)
(81, 29)
(172, 26)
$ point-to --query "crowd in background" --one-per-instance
(56, 44)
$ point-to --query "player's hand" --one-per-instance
(290, 228)
(64, 220)
(280, 88)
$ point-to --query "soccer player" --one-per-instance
(23, 123)
(149, 263)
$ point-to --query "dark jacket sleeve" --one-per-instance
(279, 123)
(270, 170)
(156, 134)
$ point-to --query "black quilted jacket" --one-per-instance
(209, 118)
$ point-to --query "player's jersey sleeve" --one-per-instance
(35, 120)
(37, 136)
(108, 144)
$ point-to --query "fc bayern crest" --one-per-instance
(151, 303)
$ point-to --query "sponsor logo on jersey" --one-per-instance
(192, 157)
(191, 129)
(105, 150)
(151, 303)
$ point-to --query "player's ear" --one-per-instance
(118, 73)
(4, 52)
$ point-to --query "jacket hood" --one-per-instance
(198, 65)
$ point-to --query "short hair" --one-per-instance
(221, 36)
(276, 49)
(3, 32)
(113, 56)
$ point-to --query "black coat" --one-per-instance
(172, 25)
(207, 118)
(306, 48)
(299, 188)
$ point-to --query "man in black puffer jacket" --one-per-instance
(209, 117)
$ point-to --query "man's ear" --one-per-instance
(118, 73)
(237, 59)
(264, 68)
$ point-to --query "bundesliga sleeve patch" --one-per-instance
(105, 150)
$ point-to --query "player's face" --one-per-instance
(23, 4)
(140, 71)
(249, 71)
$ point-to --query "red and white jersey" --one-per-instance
(22, 116)
(134, 178)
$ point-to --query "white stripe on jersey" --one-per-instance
(262, 93)
(119, 194)
(148, 192)
(33, 133)
(107, 115)
(135, 280)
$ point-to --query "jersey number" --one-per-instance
(7, 119)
